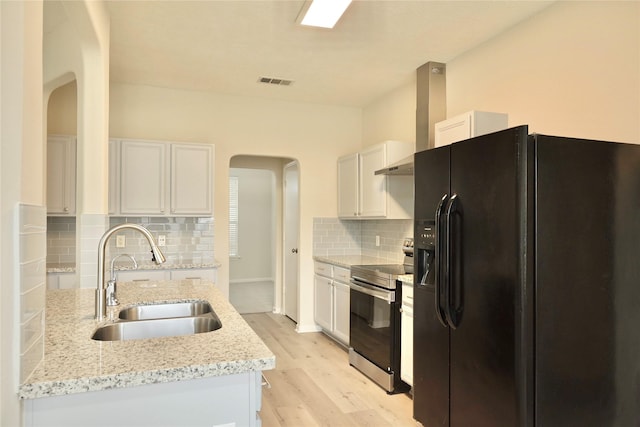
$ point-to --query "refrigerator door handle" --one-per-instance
(450, 312)
(438, 260)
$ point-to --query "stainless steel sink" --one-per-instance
(156, 328)
(165, 310)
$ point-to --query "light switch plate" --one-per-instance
(121, 241)
(377, 240)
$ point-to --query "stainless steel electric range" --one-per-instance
(374, 329)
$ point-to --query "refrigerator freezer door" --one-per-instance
(431, 338)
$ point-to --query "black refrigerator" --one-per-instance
(527, 283)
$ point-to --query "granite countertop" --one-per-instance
(128, 266)
(74, 363)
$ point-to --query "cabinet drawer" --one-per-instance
(142, 275)
(204, 274)
(341, 274)
(323, 269)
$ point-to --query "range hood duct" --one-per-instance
(431, 108)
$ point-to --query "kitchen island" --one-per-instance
(210, 379)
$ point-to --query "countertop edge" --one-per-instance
(347, 261)
(133, 379)
(143, 267)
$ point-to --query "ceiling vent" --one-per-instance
(275, 81)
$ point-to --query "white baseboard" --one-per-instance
(302, 329)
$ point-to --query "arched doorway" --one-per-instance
(257, 251)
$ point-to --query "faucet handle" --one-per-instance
(113, 273)
(111, 293)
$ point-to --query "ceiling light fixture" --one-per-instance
(322, 13)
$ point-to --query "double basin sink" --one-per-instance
(160, 320)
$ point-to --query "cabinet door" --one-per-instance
(348, 186)
(406, 354)
(144, 174)
(61, 175)
(191, 179)
(341, 311)
(323, 302)
(373, 188)
(455, 129)
(114, 177)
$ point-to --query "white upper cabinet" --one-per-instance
(191, 179)
(61, 175)
(373, 188)
(348, 185)
(144, 169)
(161, 178)
(468, 125)
(364, 195)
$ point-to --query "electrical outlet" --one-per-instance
(377, 240)
(121, 241)
(162, 240)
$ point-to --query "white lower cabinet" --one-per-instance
(222, 401)
(331, 302)
(406, 335)
(341, 312)
(323, 306)
(204, 274)
(61, 280)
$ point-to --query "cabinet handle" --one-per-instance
(66, 209)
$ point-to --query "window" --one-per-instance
(233, 216)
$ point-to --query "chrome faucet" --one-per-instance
(101, 291)
(111, 284)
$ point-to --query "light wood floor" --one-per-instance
(313, 384)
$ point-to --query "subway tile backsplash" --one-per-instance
(188, 239)
(32, 229)
(61, 240)
(332, 237)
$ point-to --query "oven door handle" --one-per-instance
(387, 296)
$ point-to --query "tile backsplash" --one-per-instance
(32, 229)
(61, 240)
(332, 236)
(188, 239)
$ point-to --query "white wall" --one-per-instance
(315, 135)
(572, 70)
(391, 117)
(21, 172)
(256, 219)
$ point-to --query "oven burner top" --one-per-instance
(383, 275)
(386, 269)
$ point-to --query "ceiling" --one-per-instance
(226, 46)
